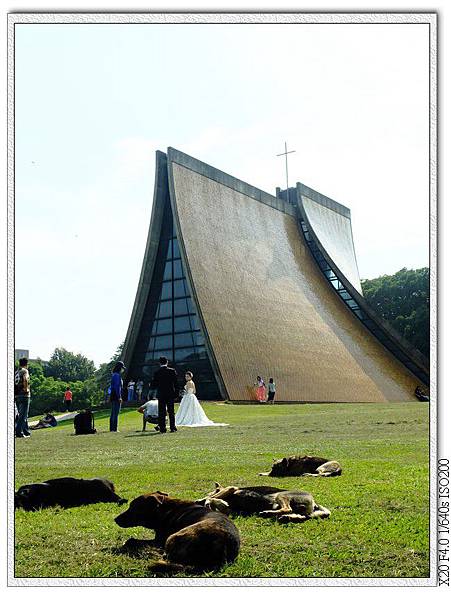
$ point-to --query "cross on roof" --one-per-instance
(286, 161)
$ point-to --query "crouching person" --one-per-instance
(149, 411)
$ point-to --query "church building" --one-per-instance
(237, 283)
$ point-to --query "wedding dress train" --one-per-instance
(190, 412)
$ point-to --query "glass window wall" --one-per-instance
(170, 326)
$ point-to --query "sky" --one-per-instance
(94, 102)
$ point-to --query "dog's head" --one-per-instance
(216, 505)
(30, 497)
(143, 511)
(279, 468)
(293, 465)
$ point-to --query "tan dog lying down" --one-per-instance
(312, 466)
(284, 505)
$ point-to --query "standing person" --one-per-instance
(165, 382)
(131, 391)
(271, 390)
(190, 412)
(116, 394)
(261, 389)
(22, 398)
(68, 398)
(139, 389)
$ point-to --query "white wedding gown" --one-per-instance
(190, 412)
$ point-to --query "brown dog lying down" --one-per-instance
(190, 534)
(65, 492)
(286, 506)
(314, 466)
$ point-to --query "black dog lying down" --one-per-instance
(286, 506)
(421, 395)
(190, 534)
(65, 492)
(313, 466)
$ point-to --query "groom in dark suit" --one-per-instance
(165, 382)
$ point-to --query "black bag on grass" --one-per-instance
(84, 423)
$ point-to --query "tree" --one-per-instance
(36, 369)
(402, 299)
(103, 373)
(66, 366)
(47, 393)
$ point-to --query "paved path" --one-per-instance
(63, 417)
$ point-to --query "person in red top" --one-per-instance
(68, 398)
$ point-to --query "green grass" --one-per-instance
(380, 505)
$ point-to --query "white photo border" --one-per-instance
(408, 18)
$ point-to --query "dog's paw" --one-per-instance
(165, 567)
(284, 519)
(291, 519)
(267, 513)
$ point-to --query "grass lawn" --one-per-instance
(379, 526)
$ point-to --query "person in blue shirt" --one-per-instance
(116, 394)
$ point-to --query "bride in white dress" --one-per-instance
(190, 412)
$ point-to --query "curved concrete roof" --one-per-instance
(334, 230)
(266, 307)
(339, 254)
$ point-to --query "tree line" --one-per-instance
(402, 300)
(49, 380)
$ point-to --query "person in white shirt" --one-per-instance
(131, 390)
(149, 411)
(271, 391)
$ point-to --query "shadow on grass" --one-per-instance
(150, 550)
(143, 434)
(139, 548)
